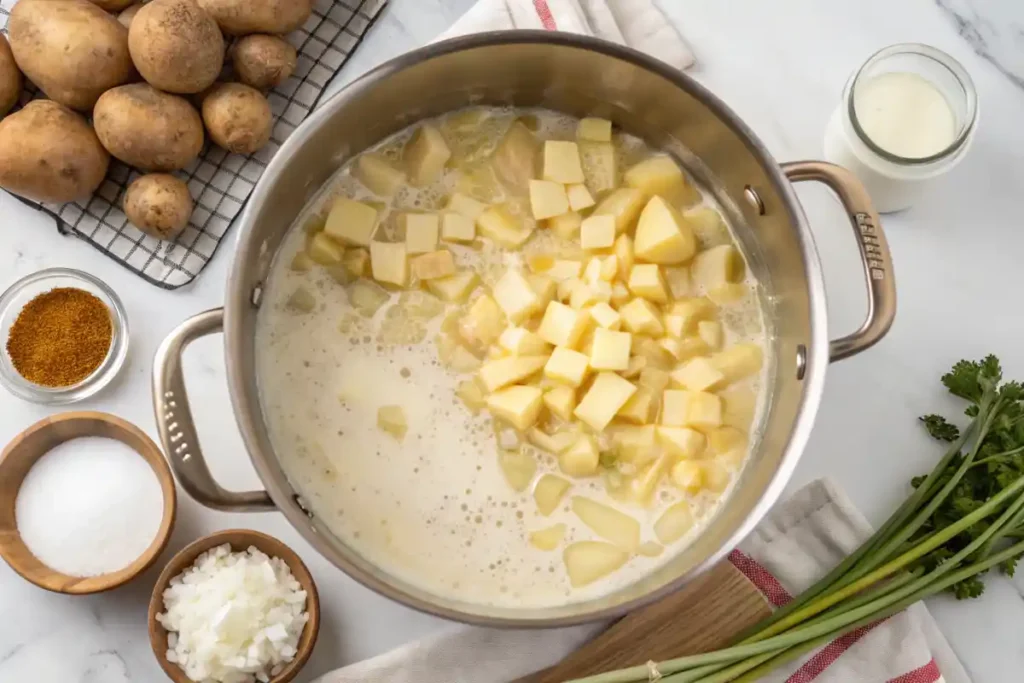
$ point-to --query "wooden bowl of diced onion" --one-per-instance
(239, 540)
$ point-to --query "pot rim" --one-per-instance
(237, 296)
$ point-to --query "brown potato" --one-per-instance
(241, 17)
(263, 61)
(50, 154)
(148, 129)
(112, 5)
(237, 117)
(127, 15)
(158, 204)
(176, 46)
(71, 49)
(10, 77)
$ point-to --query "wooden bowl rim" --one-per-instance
(58, 582)
(264, 542)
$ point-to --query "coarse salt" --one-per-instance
(89, 506)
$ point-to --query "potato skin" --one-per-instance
(50, 153)
(10, 78)
(176, 46)
(237, 117)
(148, 129)
(263, 61)
(158, 204)
(112, 5)
(241, 17)
(71, 49)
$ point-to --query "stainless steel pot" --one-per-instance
(580, 76)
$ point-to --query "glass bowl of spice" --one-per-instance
(64, 336)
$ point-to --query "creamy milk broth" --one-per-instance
(433, 510)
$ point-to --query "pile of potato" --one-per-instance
(155, 77)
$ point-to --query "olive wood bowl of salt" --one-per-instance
(87, 502)
(239, 541)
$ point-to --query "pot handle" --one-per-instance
(874, 251)
(178, 431)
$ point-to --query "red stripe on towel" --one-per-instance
(826, 656)
(761, 578)
(544, 13)
(929, 673)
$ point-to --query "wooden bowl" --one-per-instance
(23, 452)
(239, 540)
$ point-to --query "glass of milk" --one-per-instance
(907, 116)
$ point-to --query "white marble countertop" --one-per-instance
(781, 65)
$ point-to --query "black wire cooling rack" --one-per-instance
(220, 183)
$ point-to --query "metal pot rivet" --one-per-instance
(801, 361)
(754, 200)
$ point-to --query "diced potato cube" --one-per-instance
(301, 300)
(608, 523)
(605, 316)
(584, 295)
(738, 361)
(563, 326)
(553, 443)
(672, 346)
(662, 234)
(609, 267)
(548, 199)
(356, 262)
(579, 197)
(678, 279)
(515, 296)
(650, 549)
(464, 205)
(463, 360)
(691, 311)
(367, 297)
(620, 294)
(645, 280)
(471, 395)
(641, 317)
(496, 374)
(454, 288)
(378, 175)
(498, 224)
(725, 439)
(301, 262)
(545, 289)
(457, 228)
(567, 287)
(560, 400)
(548, 493)
(389, 263)
(351, 222)
(566, 226)
(654, 379)
(595, 129)
(566, 365)
(682, 442)
(717, 266)
(600, 167)
(640, 408)
(739, 404)
(653, 350)
(562, 270)
(515, 158)
(715, 475)
(674, 325)
(421, 232)
(688, 475)
(726, 294)
(643, 485)
(518, 467)
(581, 459)
(610, 350)
(562, 162)
(697, 374)
(549, 538)
(635, 367)
(634, 445)
(588, 561)
(597, 232)
(674, 523)
(661, 175)
(606, 396)
(314, 224)
(324, 250)
(624, 256)
(434, 265)
(592, 273)
(391, 419)
(425, 155)
(624, 204)
(710, 332)
(518, 405)
(703, 410)
(674, 407)
(522, 342)
(482, 324)
(708, 225)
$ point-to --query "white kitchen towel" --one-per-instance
(636, 23)
(797, 543)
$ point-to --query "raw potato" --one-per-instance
(588, 561)
(158, 204)
(237, 117)
(148, 129)
(112, 5)
(176, 46)
(72, 50)
(50, 154)
(10, 77)
(240, 17)
(263, 61)
(127, 15)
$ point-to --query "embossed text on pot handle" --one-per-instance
(177, 429)
(874, 251)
